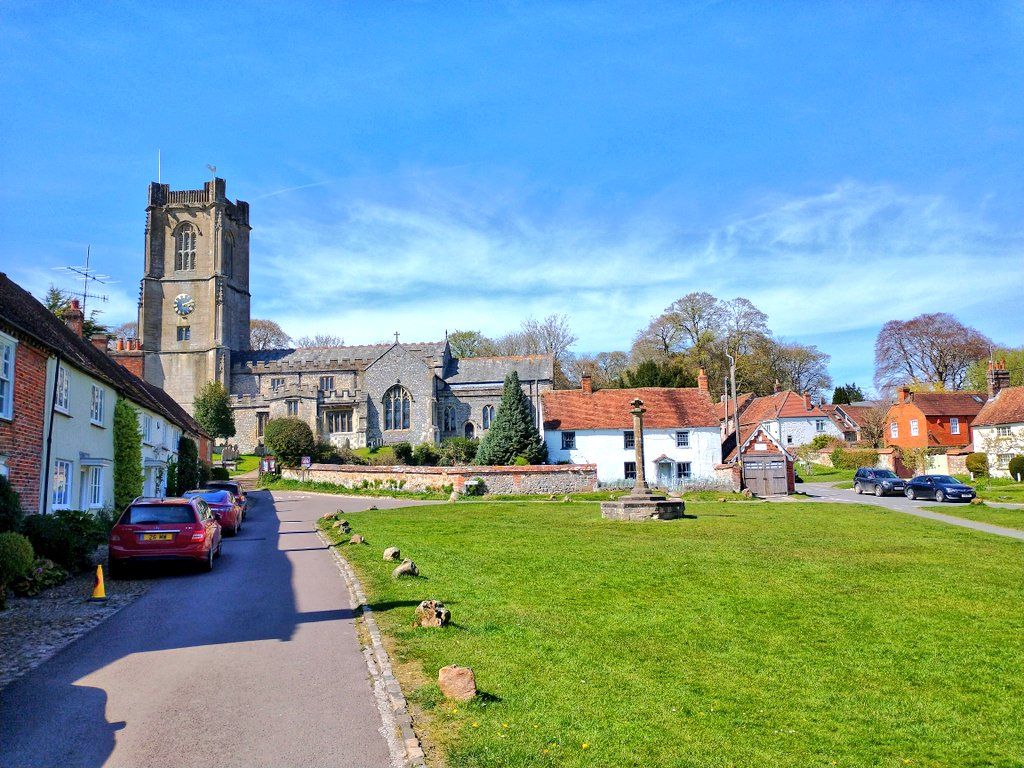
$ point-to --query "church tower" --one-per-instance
(194, 300)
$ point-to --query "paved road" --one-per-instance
(826, 492)
(255, 664)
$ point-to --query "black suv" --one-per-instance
(877, 481)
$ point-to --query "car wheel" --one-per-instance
(208, 562)
(940, 496)
(910, 494)
(220, 546)
(238, 526)
(879, 491)
(856, 488)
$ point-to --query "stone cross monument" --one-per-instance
(641, 503)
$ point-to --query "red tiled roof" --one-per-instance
(948, 403)
(667, 408)
(742, 401)
(1006, 408)
(781, 405)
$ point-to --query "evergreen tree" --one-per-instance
(513, 433)
(188, 465)
(128, 477)
(846, 394)
(213, 410)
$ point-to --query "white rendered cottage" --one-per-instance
(998, 430)
(682, 442)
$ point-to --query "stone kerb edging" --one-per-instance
(406, 751)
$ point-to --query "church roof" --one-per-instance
(483, 370)
(331, 357)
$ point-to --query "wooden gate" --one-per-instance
(766, 475)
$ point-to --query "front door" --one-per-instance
(665, 474)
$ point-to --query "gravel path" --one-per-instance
(33, 629)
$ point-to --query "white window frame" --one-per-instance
(96, 411)
(954, 425)
(894, 430)
(60, 493)
(488, 416)
(569, 441)
(62, 399)
(146, 428)
(95, 490)
(276, 382)
(8, 348)
(819, 426)
(914, 430)
(683, 439)
(1003, 460)
(1002, 431)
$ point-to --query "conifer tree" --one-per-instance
(128, 477)
(513, 433)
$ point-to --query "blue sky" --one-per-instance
(421, 167)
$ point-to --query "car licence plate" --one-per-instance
(158, 537)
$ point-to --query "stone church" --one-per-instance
(194, 328)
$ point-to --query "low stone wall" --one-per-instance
(541, 479)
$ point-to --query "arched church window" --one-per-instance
(397, 407)
(448, 423)
(185, 248)
(488, 416)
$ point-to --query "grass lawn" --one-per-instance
(816, 473)
(1008, 518)
(998, 489)
(754, 635)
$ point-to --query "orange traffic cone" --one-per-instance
(99, 594)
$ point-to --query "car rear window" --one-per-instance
(211, 496)
(158, 514)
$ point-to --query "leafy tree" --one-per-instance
(319, 340)
(128, 330)
(470, 344)
(651, 373)
(213, 410)
(189, 471)
(128, 477)
(872, 426)
(932, 349)
(289, 439)
(457, 451)
(513, 432)
(604, 368)
(977, 372)
(266, 334)
(846, 394)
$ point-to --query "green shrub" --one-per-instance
(204, 474)
(11, 513)
(855, 459)
(474, 487)
(820, 441)
(188, 465)
(42, 574)
(457, 451)
(402, 452)
(520, 461)
(977, 464)
(16, 557)
(172, 478)
(326, 453)
(1017, 467)
(289, 439)
(425, 455)
(128, 479)
(68, 537)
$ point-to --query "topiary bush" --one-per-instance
(68, 537)
(977, 464)
(1017, 467)
(289, 439)
(11, 513)
(16, 558)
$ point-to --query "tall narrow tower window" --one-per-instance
(229, 255)
(185, 248)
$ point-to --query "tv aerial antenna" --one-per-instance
(87, 276)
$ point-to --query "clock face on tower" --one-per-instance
(184, 304)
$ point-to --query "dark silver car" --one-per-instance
(939, 487)
(877, 481)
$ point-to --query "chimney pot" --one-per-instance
(904, 394)
(587, 384)
(702, 380)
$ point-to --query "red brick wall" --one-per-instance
(936, 426)
(21, 439)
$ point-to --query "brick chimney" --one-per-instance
(587, 384)
(702, 380)
(73, 317)
(998, 378)
(99, 341)
(807, 401)
(776, 387)
(904, 394)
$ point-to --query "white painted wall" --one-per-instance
(801, 429)
(604, 447)
(988, 441)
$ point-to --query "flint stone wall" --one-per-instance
(537, 479)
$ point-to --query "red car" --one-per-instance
(225, 506)
(229, 485)
(164, 529)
